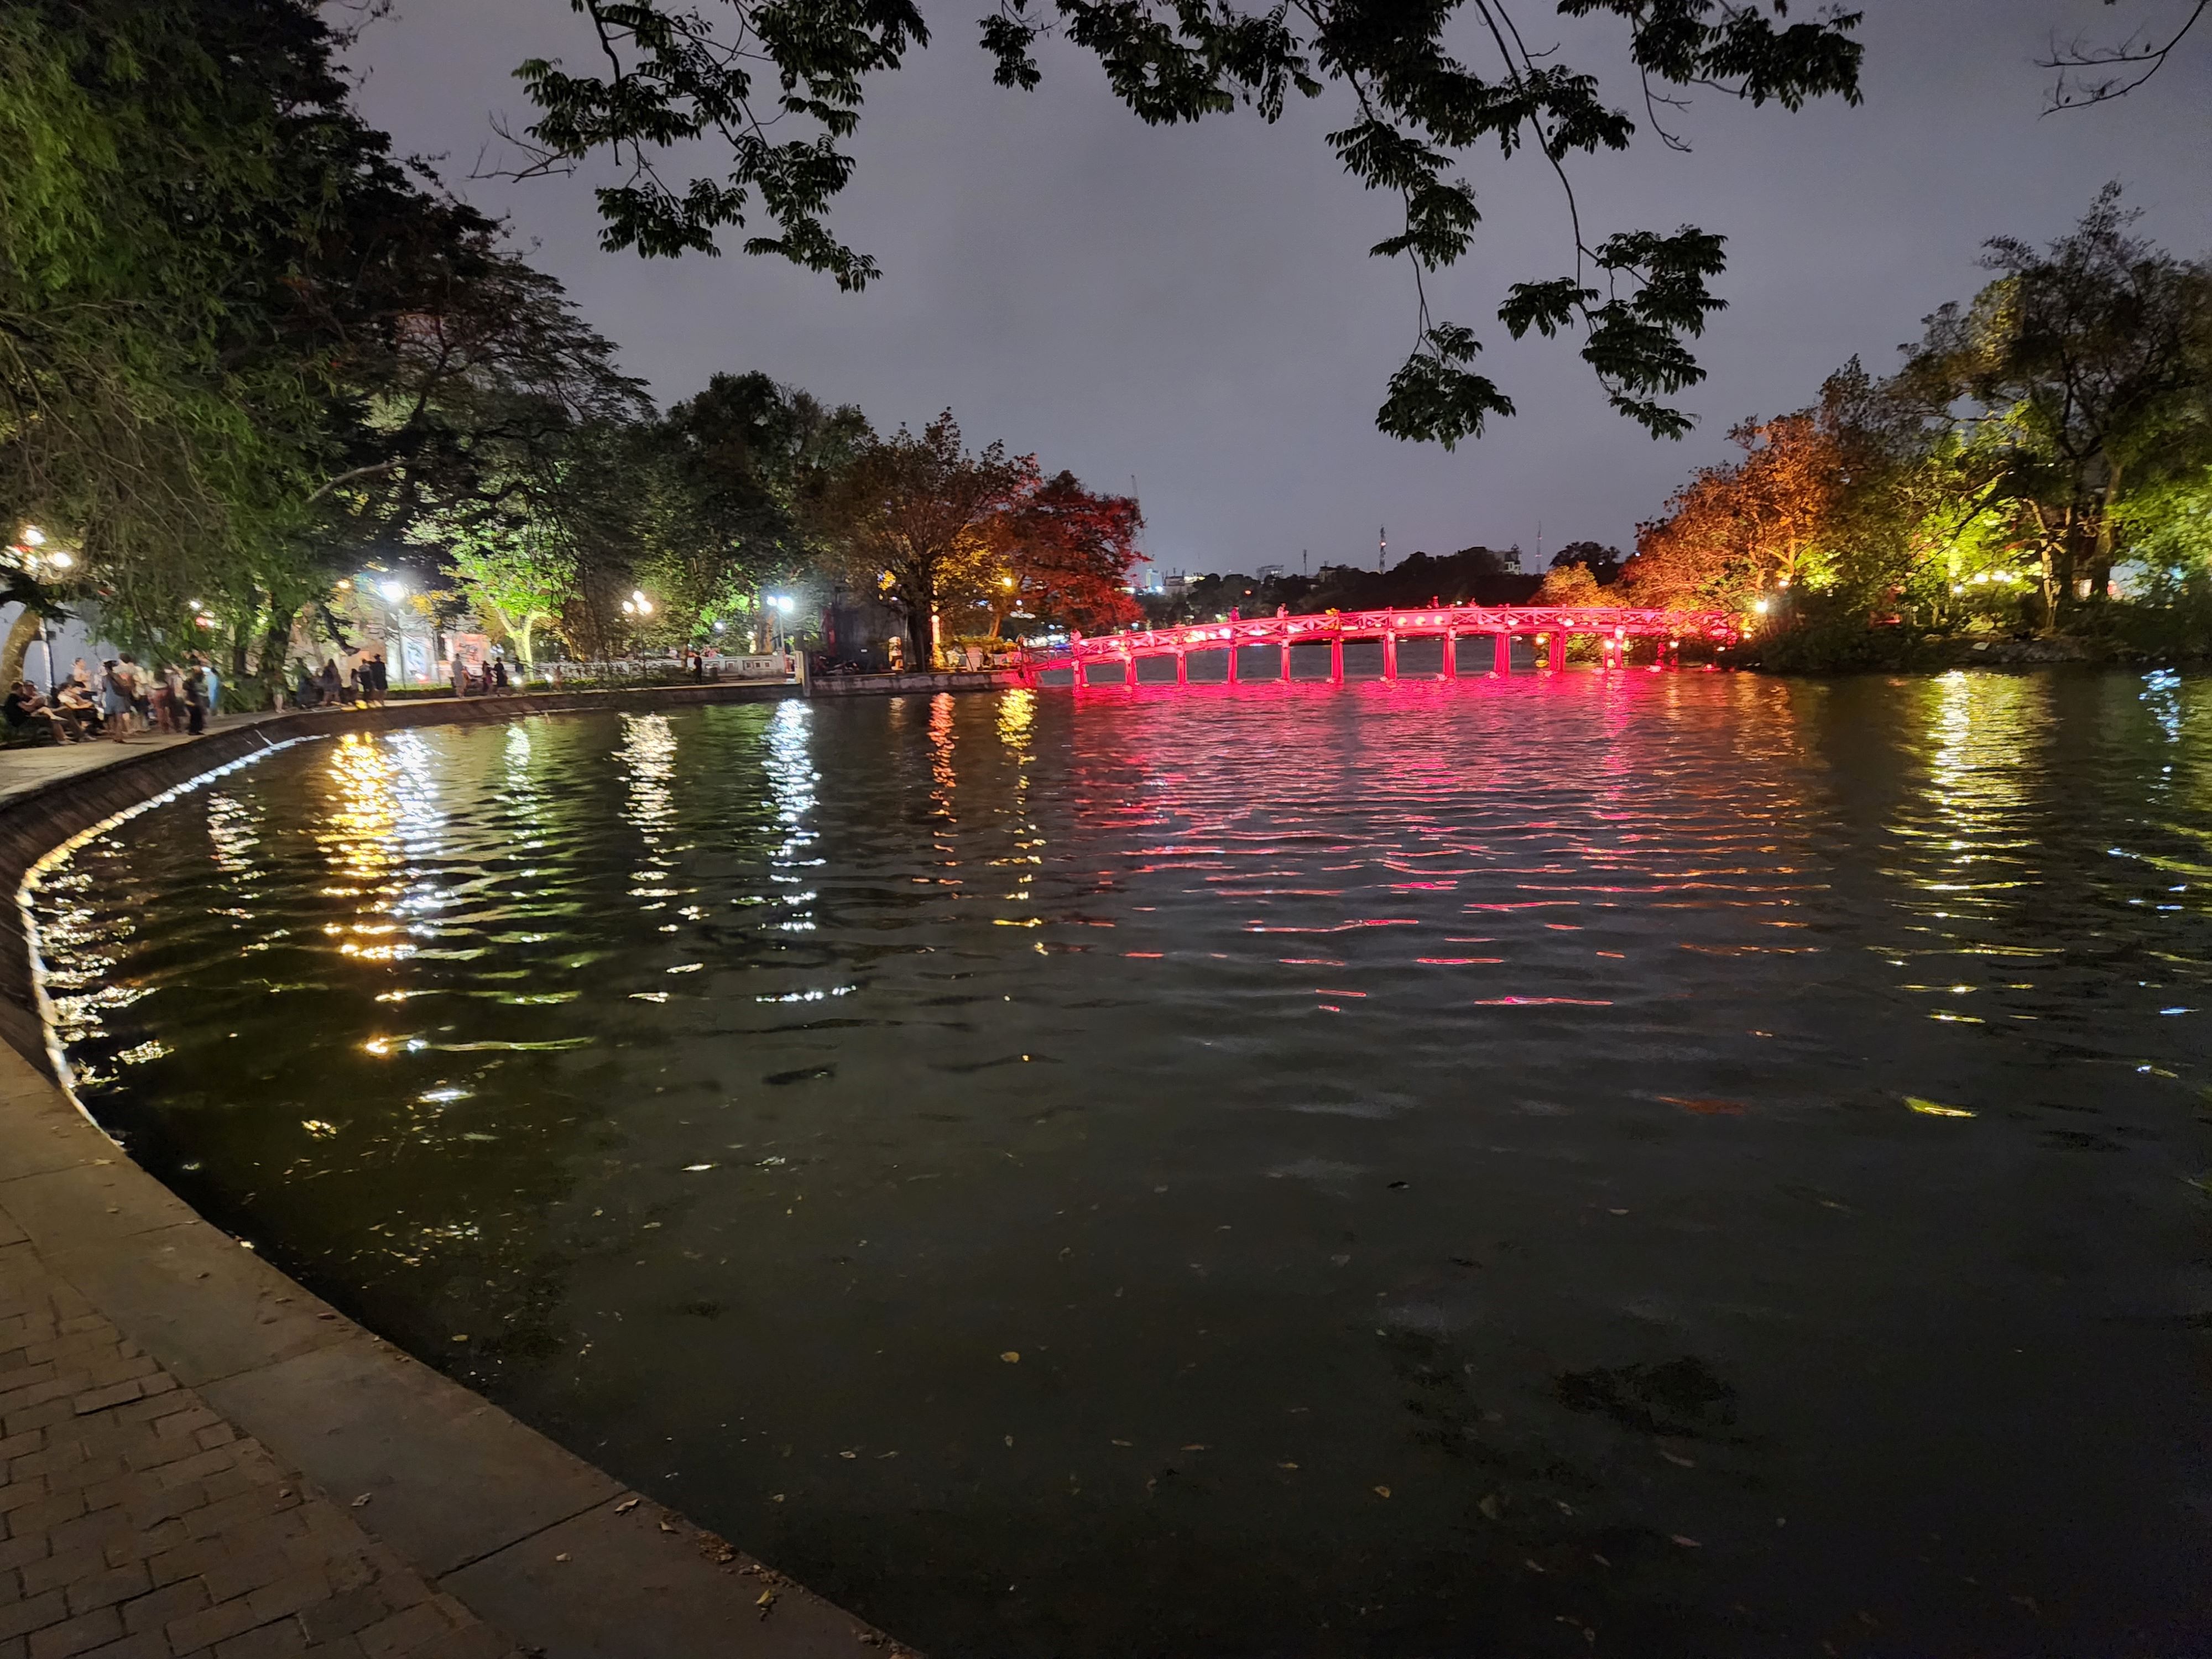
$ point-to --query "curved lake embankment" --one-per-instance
(427, 1520)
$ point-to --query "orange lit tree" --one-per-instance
(1068, 553)
(1743, 527)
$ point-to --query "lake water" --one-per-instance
(1649, 1164)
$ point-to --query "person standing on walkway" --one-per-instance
(136, 688)
(329, 683)
(210, 682)
(115, 698)
(174, 716)
(193, 689)
(374, 677)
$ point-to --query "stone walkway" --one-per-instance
(199, 1459)
(140, 1525)
(22, 770)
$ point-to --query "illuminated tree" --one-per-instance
(2079, 369)
(1569, 584)
(1068, 553)
(1745, 526)
(910, 518)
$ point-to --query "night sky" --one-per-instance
(1192, 307)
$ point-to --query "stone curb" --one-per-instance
(532, 1540)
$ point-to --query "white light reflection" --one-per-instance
(1970, 833)
(648, 755)
(1016, 733)
(381, 831)
(791, 782)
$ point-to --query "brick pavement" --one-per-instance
(139, 1525)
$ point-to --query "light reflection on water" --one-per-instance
(1438, 1152)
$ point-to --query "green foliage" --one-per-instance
(672, 77)
(2079, 372)
(1435, 397)
(240, 347)
(2055, 430)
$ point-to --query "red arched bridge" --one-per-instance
(1549, 627)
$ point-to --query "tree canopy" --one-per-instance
(2045, 450)
(668, 76)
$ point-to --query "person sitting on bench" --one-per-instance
(26, 711)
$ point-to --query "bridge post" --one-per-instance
(1389, 654)
(1128, 665)
(1286, 659)
(1451, 655)
(1501, 661)
(1336, 660)
(1232, 656)
(1183, 667)
(1559, 650)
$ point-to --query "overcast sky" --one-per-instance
(1193, 307)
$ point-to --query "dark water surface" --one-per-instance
(1651, 1165)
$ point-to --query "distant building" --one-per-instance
(1267, 573)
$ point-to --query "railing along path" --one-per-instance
(1549, 626)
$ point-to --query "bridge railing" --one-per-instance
(1613, 622)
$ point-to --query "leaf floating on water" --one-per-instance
(1012, 1356)
(1934, 1109)
(1705, 1106)
(1687, 1543)
(1683, 1461)
(1490, 1508)
(1382, 1492)
(1195, 1446)
(694, 1168)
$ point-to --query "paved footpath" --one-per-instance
(141, 1525)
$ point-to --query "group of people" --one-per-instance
(366, 679)
(471, 680)
(124, 697)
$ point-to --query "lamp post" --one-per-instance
(394, 590)
(779, 607)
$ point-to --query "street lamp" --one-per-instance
(393, 589)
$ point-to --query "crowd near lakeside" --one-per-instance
(119, 698)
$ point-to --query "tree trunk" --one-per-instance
(275, 643)
(920, 607)
(2100, 562)
(18, 645)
